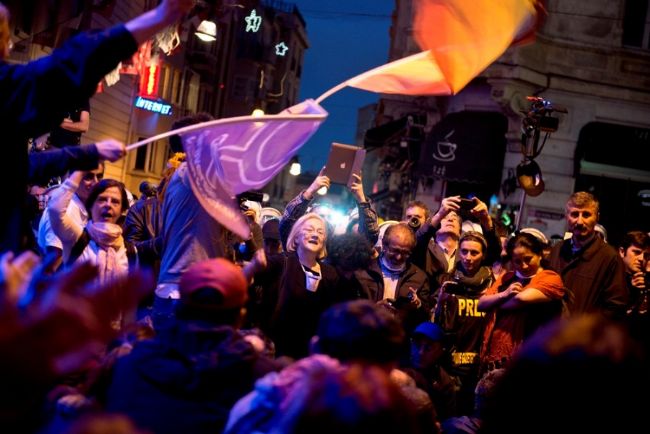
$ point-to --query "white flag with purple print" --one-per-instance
(226, 157)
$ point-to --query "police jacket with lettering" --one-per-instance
(457, 313)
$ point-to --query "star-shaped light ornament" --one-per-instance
(253, 22)
(281, 49)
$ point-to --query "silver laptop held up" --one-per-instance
(343, 161)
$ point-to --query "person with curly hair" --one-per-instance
(349, 254)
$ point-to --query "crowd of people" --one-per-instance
(132, 316)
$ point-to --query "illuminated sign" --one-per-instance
(253, 22)
(153, 106)
(149, 81)
(281, 49)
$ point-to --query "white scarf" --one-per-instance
(108, 237)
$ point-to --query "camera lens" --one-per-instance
(414, 223)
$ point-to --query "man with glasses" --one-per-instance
(48, 242)
(393, 281)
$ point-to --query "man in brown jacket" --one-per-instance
(591, 270)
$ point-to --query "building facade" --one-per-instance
(590, 58)
(255, 62)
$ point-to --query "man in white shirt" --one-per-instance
(48, 242)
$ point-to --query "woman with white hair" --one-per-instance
(298, 287)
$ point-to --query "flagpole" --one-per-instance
(149, 140)
(331, 91)
(190, 128)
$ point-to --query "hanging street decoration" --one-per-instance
(281, 49)
(114, 76)
(168, 39)
(253, 22)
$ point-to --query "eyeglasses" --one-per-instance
(93, 176)
(393, 251)
(310, 230)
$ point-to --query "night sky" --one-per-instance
(346, 39)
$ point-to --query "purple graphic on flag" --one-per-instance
(230, 156)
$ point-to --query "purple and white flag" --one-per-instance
(226, 157)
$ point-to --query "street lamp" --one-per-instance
(295, 167)
(207, 31)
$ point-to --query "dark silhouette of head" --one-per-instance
(349, 252)
(356, 399)
(175, 141)
(582, 374)
(359, 331)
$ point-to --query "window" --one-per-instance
(153, 153)
(150, 158)
(192, 102)
(243, 88)
(166, 82)
(636, 24)
(205, 99)
(176, 88)
(141, 157)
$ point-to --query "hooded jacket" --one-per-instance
(187, 383)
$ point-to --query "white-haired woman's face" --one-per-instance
(312, 236)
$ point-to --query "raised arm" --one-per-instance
(63, 226)
(56, 162)
(149, 23)
(368, 222)
(297, 207)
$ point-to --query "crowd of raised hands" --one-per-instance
(53, 325)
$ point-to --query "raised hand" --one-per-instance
(480, 210)
(320, 181)
(356, 188)
(111, 150)
(449, 204)
(16, 274)
(67, 319)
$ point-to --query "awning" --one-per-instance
(391, 133)
(466, 147)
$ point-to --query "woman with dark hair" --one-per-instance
(456, 312)
(101, 241)
(519, 302)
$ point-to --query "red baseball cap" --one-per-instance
(226, 278)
